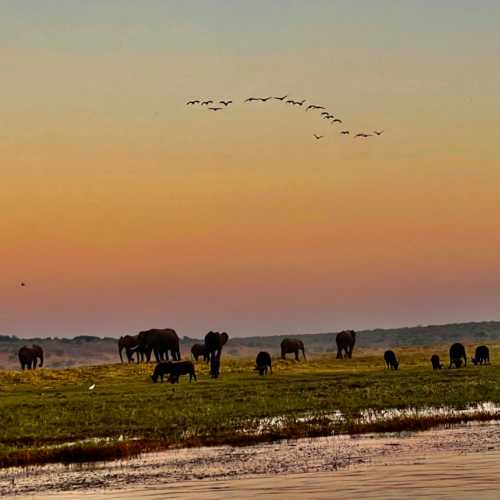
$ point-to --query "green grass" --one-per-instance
(42, 409)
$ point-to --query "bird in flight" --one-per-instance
(378, 132)
(318, 136)
(313, 106)
(363, 135)
(23, 283)
(252, 99)
(337, 121)
(226, 103)
(281, 98)
(206, 103)
(328, 116)
(190, 103)
(345, 132)
(215, 109)
(296, 103)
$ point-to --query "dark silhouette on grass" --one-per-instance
(214, 342)
(292, 346)
(175, 369)
(457, 354)
(481, 356)
(436, 362)
(391, 360)
(130, 344)
(263, 363)
(345, 343)
(159, 342)
(199, 350)
(29, 356)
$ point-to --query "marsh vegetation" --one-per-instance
(50, 415)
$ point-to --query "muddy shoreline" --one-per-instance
(222, 463)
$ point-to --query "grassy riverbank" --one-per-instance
(42, 411)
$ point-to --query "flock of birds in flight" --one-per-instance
(212, 105)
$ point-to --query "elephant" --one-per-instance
(457, 353)
(130, 344)
(292, 345)
(28, 357)
(391, 360)
(482, 355)
(199, 350)
(436, 362)
(263, 362)
(159, 342)
(214, 342)
(345, 342)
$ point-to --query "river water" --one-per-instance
(460, 462)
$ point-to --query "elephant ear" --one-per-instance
(224, 337)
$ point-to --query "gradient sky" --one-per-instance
(123, 210)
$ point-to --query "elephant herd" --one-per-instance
(161, 342)
(457, 356)
(164, 342)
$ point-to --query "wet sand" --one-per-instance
(461, 462)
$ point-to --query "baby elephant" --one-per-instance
(390, 360)
(436, 363)
(481, 356)
(175, 369)
(263, 362)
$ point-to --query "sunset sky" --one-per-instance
(123, 209)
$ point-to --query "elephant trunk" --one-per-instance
(41, 359)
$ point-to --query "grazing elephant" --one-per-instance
(457, 353)
(292, 346)
(436, 362)
(391, 360)
(214, 342)
(263, 362)
(159, 342)
(482, 355)
(28, 357)
(199, 350)
(130, 343)
(345, 342)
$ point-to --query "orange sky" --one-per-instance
(124, 210)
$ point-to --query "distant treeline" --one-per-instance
(485, 332)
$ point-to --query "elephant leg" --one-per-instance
(339, 352)
(297, 355)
